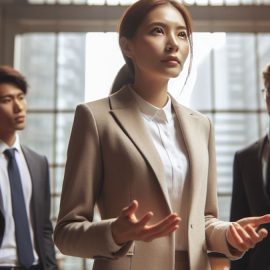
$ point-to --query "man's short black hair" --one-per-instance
(10, 75)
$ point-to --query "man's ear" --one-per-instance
(126, 47)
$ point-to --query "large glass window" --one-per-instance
(54, 65)
(65, 69)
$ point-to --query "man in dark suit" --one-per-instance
(250, 196)
(25, 226)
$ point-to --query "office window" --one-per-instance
(54, 65)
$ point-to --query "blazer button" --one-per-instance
(130, 253)
(191, 226)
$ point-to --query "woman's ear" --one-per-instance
(126, 47)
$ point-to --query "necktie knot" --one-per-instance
(10, 153)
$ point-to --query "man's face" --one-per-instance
(12, 109)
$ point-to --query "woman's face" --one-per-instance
(160, 47)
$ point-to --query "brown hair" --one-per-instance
(123, 77)
(136, 13)
(10, 75)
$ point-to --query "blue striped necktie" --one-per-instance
(22, 232)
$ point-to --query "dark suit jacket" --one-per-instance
(250, 199)
(39, 171)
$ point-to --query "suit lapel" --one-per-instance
(125, 110)
(34, 174)
(189, 127)
(254, 162)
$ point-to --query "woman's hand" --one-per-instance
(245, 233)
(128, 228)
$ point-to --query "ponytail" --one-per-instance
(123, 77)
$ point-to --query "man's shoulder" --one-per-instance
(253, 147)
(27, 151)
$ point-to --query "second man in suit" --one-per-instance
(25, 226)
(250, 196)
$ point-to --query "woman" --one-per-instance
(147, 162)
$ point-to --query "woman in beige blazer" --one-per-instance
(147, 162)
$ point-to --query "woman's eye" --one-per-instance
(157, 30)
(183, 34)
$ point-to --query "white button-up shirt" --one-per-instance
(165, 131)
(8, 251)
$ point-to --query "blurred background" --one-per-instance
(68, 50)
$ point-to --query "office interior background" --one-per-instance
(68, 50)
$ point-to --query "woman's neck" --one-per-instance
(152, 91)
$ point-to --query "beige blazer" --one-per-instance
(111, 160)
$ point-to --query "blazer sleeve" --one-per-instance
(215, 228)
(76, 234)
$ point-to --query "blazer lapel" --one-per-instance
(189, 128)
(125, 110)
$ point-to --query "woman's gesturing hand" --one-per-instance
(128, 228)
(245, 233)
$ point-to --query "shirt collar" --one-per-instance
(16, 145)
(152, 112)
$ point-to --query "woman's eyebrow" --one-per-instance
(165, 25)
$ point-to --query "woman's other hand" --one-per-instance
(245, 233)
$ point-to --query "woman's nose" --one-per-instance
(172, 44)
